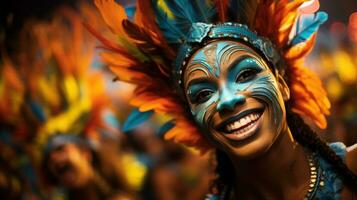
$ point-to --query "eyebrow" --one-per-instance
(237, 61)
(198, 80)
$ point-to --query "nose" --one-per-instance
(228, 99)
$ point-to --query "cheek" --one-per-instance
(203, 113)
(265, 88)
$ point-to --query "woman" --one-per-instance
(230, 75)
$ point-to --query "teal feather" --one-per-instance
(207, 10)
(130, 11)
(185, 13)
(135, 119)
(166, 127)
(307, 25)
(168, 26)
(37, 110)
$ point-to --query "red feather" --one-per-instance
(222, 6)
(148, 45)
(145, 17)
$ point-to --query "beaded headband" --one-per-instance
(201, 32)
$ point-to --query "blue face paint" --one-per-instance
(222, 75)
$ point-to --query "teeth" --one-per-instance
(242, 122)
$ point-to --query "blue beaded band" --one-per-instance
(201, 32)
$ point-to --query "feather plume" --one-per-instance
(206, 10)
(309, 7)
(165, 127)
(135, 119)
(113, 14)
(248, 13)
(243, 11)
(168, 25)
(307, 26)
(184, 14)
(300, 50)
(117, 60)
(222, 6)
(288, 14)
(108, 45)
(143, 39)
(308, 95)
(145, 17)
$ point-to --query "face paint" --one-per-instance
(208, 62)
(222, 76)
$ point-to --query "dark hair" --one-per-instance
(305, 136)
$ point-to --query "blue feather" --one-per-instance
(37, 110)
(130, 11)
(185, 13)
(307, 25)
(5, 137)
(135, 119)
(207, 10)
(168, 26)
(166, 127)
(111, 119)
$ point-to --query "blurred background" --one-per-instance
(68, 132)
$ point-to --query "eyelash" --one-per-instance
(246, 75)
(198, 99)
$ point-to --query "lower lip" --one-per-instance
(243, 135)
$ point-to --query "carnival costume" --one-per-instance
(153, 48)
(47, 95)
(154, 45)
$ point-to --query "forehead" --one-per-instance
(216, 56)
(219, 48)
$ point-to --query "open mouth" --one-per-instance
(242, 125)
(63, 167)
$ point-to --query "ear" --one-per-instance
(283, 87)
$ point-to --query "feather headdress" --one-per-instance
(51, 88)
(148, 45)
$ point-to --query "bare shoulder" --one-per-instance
(351, 158)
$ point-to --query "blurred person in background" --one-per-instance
(171, 171)
(54, 101)
(70, 162)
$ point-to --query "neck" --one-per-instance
(95, 188)
(282, 170)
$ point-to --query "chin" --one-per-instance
(253, 150)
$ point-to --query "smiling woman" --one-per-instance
(231, 76)
(233, 95)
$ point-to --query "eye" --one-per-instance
(202, 96)
(246, 75)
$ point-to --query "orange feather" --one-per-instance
(113, 15)
(300, 50)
